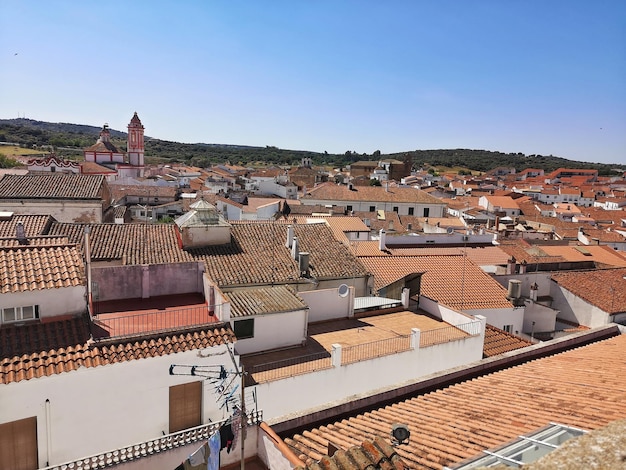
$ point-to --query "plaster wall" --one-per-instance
(144, 281)
(96, 409)
(499, 317)
(442, 312)
(52, 302)
(434, 210)
(326, 304)
(541, 278)
(205, 236)
(89, 211)
(544, 318)
(274, 331)
(575, 309)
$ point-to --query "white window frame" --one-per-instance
(508, 328)
(18, 313)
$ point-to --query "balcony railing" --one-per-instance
(449, 333)
(151, 447)
(108, 325)
(290, 367)
(383, 347)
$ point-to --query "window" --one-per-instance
(508, 328)
(426, 211)
(372, 208)
(244, 328)
(411, 210)
(395, 208)
(11, 314)
(185, 406)
(349, 208)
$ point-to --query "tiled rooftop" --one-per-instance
(44, 240)
(263, 300)
(331, 191)
(33, 225)
(44, 349)
(499, 342)
(454, 281)
(583, 387)
(28, 268)
(604, 288)
(346, 332)
(256, 255)
(51, 186)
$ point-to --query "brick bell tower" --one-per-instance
(135, 143)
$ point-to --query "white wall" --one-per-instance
(280, 398)
(96, 409)
(63, 211)
(544, 318)
(499, 317)
(273, 331)
(326, 304)
(443, 312)
(52, 302)
(542, 279)
(575, 309)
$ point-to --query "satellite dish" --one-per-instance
(450, 230)
(343, 290)
(400, 434)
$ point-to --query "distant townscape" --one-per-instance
(306, 311)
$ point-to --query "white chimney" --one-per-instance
(289, 236)
(381, 241)
(534, 291)
(295, 248)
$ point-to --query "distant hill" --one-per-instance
(28, 132)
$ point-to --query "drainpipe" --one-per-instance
(88, 257)
(48, 432)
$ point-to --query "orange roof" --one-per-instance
(601, 254)
(499, 342)
(454, 281)
(582, 387)
(604, 288)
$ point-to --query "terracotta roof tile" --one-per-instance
(51, 186)
(499, 342)
(263, 300)
(454, 423)
(454, 281)
(604, 288)
(332, 191)
(40, 267)
(33, 225)
(44, 240)
(44, 349)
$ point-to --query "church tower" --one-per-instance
(135, 143)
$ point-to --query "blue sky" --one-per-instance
(531, 76)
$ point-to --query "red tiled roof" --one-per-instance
(33, 225)
(583, 387)
(43, 240)
(40, 267)
(263, 300)
(103, 147)
(604, 288)
(454, 281)
(51, 186)
(499, 342)
(332, 191)
(90, 168)
(44, 349)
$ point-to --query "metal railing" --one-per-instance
(270, 371)
(449, 333)
(151, 447)
(383, 347)
(107, 325)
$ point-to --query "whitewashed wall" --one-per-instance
(63, 211)
(575, 309)
(280, 398)
(499, 317)
(326, 304)
(97, 409)
(273, 331)
(52, 302)
(543, 317)
(443, 312)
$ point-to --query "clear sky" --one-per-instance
(531, 76)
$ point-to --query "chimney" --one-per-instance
(515, 289)
(295, 248)
(510, 268)
(303, 261)
(20, 233)
(289, 236)
(381, 242)
(534, 290)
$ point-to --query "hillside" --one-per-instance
(72, 138)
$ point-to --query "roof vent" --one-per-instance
(20, 233)
(343, 290)
(303, 261)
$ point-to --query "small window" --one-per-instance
(508, 328)
(372, 208)
(426, 211)
(395, 208)
(411, 210)
(13, 314)
(349, 208)
(244, 328)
